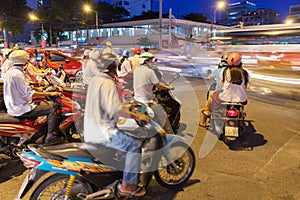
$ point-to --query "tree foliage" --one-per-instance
(14, 15)
(195, 17)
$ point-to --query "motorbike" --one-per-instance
(228, 120)
(78, 175)
(170, 102)
(16, 133)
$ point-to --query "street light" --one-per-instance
(87, 8)
(33, 17)
(220, 5)
(291, 20)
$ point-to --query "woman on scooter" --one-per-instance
(234, 80)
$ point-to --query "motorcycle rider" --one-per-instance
(144, 78)
(124, 66)
(18, 97)
(46, 62)
(135, 58)
(108, 48)
(34, 74)
(91, 69)
(215, 75)
(6, 63)
(103, 107)
(234, 81)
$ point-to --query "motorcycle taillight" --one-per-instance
(28, 163)
(232, 113)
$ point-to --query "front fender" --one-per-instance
(170, 140)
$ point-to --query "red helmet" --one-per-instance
(30, 51)
(137, 51)
(234, 59)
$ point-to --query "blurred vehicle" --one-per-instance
(71, 66)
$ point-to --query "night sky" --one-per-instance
(181, 7)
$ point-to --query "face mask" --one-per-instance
(32, 60)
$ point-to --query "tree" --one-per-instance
(149, 15)
(144, 41)
(109, 13)
(14, 15)
(195, 17)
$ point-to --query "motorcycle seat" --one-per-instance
(77, 150)
(6, 118)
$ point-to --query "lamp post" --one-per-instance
(220, 5)
(35, 18)
(87, 8)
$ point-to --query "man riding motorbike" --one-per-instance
(103, 107)
(90, 69)
(144, 78)
(18, 97)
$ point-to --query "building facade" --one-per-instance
(295, 13)
(234, 12)
(261, 16)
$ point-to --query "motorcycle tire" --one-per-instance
(54, 187)
(184, 159)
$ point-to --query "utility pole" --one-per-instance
(160, 25)
(170, 29)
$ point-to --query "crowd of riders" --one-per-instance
(101, 70)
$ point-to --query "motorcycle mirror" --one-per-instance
(175, 77)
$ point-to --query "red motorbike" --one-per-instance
(16, 133)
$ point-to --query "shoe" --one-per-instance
(139, 192)
(203, 119)
(54, 140)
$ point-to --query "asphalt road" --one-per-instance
(264, 165)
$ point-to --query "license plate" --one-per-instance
(231, 131)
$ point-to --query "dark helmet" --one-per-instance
(224, 58)
(107, 62)
(223, 62)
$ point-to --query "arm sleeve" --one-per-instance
(153, 78)
(24, 90)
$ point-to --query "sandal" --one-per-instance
(139, 192)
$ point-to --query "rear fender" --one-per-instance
(31, 178)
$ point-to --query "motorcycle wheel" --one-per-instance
(184, 159)
(72, 133)
(55, 186)
(78, 76)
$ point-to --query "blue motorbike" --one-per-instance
(77, 174)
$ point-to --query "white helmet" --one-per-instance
(95, 55)
(6, 51)
(108, 43)
(18, 57)
(147, 56)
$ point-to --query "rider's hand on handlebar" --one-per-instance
(54, 93)
(142, 118)
(170, 87)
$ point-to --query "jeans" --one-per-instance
(42, 110)
(132, 146)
